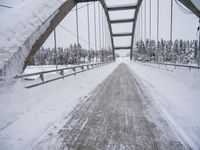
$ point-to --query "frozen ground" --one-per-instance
(27, 114)
(177, 93)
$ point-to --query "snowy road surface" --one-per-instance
(117, 115)
(27, 114)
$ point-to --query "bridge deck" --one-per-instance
(116, 117)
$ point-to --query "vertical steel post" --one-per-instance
(99, 25)
(150, 23)
(158, 20)
(55, 50)
(171, 23)
(145, 7)
(103, 44)
(77, 35)
(88, 18)
(103, 36)
(199, 46)
(158, 9)
(150, 20)
(95, 32)
(141, 23)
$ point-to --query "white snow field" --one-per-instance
(25, 114)
(177, 94)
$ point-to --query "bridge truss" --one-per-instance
(69, 4)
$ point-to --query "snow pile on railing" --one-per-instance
(20, 28)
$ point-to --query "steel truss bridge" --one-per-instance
(67, 6)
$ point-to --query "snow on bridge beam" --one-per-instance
(117, 8)
(191, 6)
(62, 12)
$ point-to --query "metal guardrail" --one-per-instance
(177, 65)
(61, 72)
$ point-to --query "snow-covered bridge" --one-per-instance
(34, 21)
(122, 105)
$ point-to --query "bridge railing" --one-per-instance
(190, 67)
(61, 72)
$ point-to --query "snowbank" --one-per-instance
(20, 28)
(177, 94)
(26, 114)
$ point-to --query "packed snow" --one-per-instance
(27, 113)
(31, 113)
(19, 33)
(176, 92)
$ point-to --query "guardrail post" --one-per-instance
(42, 77)
(88, 67)
(82, 67)
(62, 73)
(74, 69)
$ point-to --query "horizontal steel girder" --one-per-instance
(117, 8)
(121, 34)
(122, 47)
(122, 21)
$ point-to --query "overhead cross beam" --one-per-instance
(121, 34)
(117, 8)
(122, 47)
(122, 21)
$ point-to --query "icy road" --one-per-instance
(118, 116)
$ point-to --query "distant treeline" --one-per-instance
(71, 55)
(179, 51)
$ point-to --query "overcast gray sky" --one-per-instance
(184, 26)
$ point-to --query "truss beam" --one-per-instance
(121, 21)
(121, 34)
(122, 47)
(118, 8)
